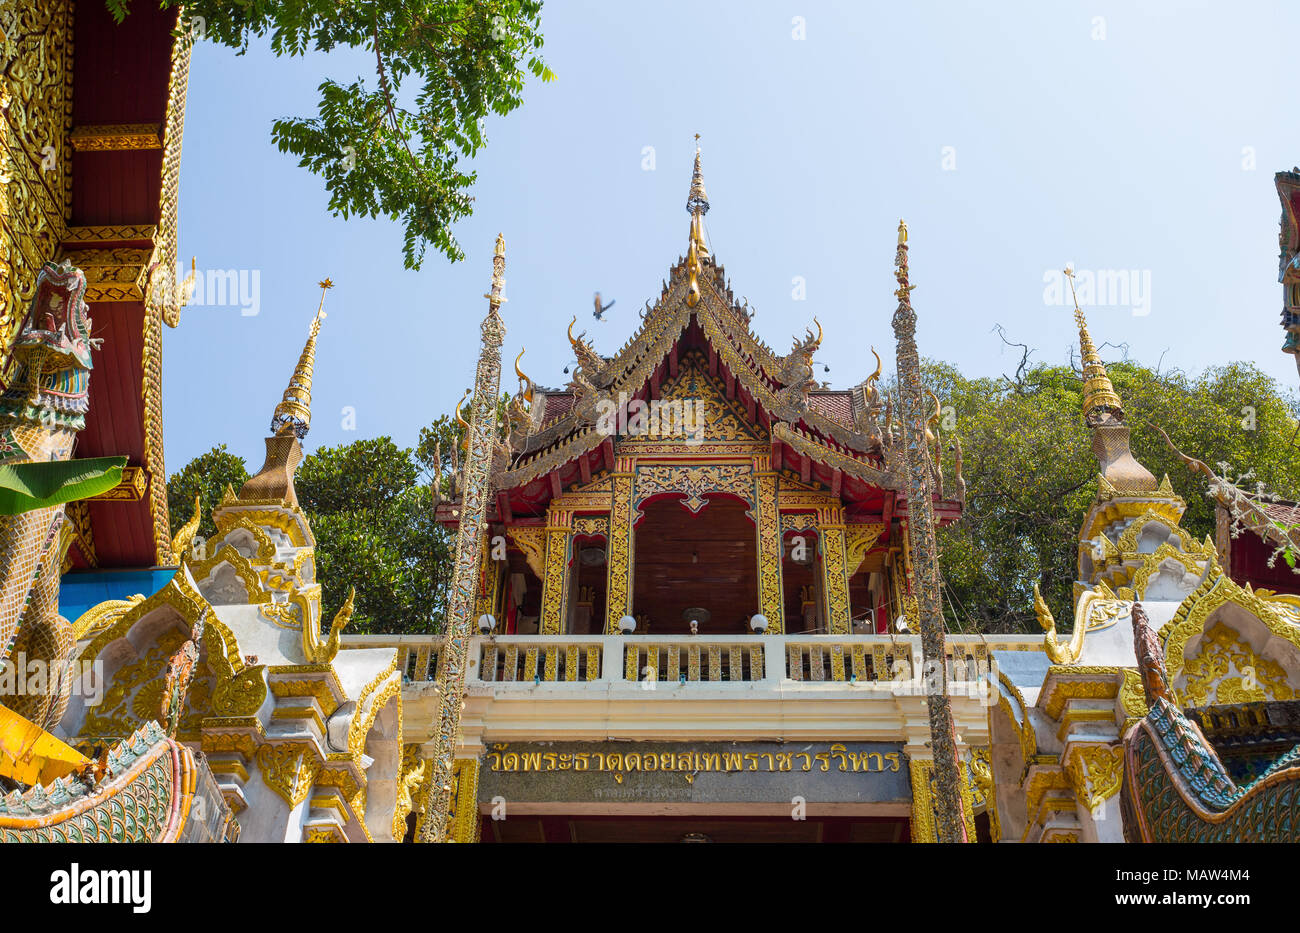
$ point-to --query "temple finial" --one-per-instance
(697, 205)
(1103, 413)
(1101, 403)
(496, 297)
(903, 292)
(293, 414)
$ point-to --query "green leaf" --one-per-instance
(39, 485)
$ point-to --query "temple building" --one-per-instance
(694, 597)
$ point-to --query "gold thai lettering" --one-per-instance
(693, 762)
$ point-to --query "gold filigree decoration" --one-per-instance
(362, 725)
(288, 519)
(591, 526)
(555, 580)
(531, 539)
(1064, 683)
(185, 535)
(1132, 697)
(265, 547)
(618, 571)
(835, 580)
(1151, 564)
(696, 482)
(1127, 542)
(116, 137)
(985, 793)
(463, 813)
(1194, 613)
(1096, 773)
(719, 418)
(861, 539)
(100, 616)
(771, 599)
(318, 652)
(35, 158)
(1223, 652)
(255, 590)
(289, 770)
(412, 788)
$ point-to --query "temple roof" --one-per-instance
(696, 321)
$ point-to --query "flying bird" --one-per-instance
(600, 309)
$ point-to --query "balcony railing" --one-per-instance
(694, 659)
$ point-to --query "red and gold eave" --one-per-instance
(118, 144)
(817, 446)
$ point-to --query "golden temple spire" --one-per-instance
(293, 414)
(697, 204)
(1103, 412)
(1100, 400)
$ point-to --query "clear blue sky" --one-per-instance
(1117, 153)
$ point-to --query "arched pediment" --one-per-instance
(1228, 644)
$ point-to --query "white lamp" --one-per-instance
(758, 623)
(627, 625)
(486, 624)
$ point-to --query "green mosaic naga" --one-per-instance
(1176, 786)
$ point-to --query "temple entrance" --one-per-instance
(705, 560)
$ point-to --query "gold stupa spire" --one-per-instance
(293, 414)
(1100, 400)
(1103, 413)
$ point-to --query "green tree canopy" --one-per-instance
(1031, 474)
(206, 476)
(375, 530)
(384, 148)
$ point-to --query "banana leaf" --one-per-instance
(40, 484)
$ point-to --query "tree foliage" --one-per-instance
(206, 476)
(381, 146)
(1031, 474)
(374, 524)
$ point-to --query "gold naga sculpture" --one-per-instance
(323, 652)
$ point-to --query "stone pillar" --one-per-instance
(771, 599)
(835, 578)
(619, 562)
(555, 582)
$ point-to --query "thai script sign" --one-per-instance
(697, 771)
